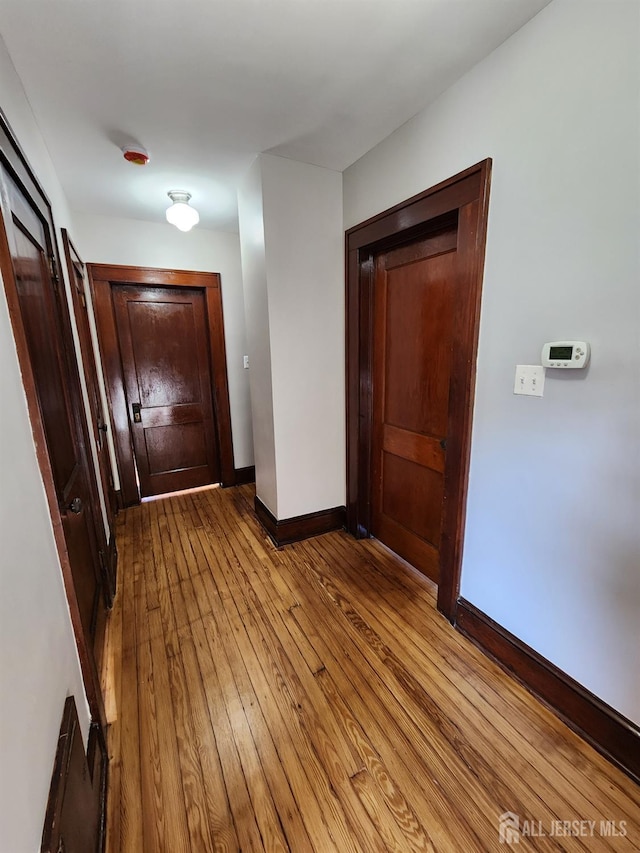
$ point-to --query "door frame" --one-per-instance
(463, 198)
(18, 167)
(80, 302)
(102, 278)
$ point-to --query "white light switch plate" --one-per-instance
(245, 362)
(529, 380)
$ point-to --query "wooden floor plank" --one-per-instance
(130, 779)
(193, 781)
(376, 784)
(392, 836)
(220, 818)
(275, 618)
(272, 762)
(525, 754)
(235, 782)
(369, 698)
(495, 757)
(534, 743)
(260, 794)
(418, 739)
(151, 797)
(298, 772)
(272, 655)
(311, 698)
(481, 671)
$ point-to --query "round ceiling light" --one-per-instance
(181, 214)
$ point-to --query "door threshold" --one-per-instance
(181, 492)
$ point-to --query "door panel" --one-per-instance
(78, 535)
(461, 203)
(414, 302)
(49, 350)
(412, 496)
(163, 338)
(162, 333)
(30, 265)
(99, 422)
(174, 447)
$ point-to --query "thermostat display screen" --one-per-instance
(561, 352)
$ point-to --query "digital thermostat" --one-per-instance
(566, 354)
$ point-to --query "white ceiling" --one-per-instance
(205, 85)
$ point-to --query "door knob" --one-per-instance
(137, 416)
(76, 506)
(443, 443)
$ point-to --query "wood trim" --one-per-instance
(71, 762)
(613, 735)
(221, 405)
(114, 384)
(17, 164)
(98, 760)
(462, 199)
(89, 364)
(125, 274)
(245, 475)
(288, 530)
(102, 277)
(58, 777)
(112, 564)
(442, 198)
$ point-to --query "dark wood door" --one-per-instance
(99, 423)
(75, 818)
(462, 202)
(50, 351)
(414, 303)
(164, 348)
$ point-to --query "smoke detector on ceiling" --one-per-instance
(135, 154)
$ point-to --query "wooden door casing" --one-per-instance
(98, 422)
(104, 280)
(75, 817)
(414, 305)
(162, 332)
(461, 201)
(42, 330)
(35, 297)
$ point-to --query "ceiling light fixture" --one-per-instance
(181, 214)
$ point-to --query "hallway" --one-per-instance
(313, 699)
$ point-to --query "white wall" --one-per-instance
(254, 272)
(108, 240)
(552, 547)
(305, 270)
(18, 112)
(38, 659)
(292, 239)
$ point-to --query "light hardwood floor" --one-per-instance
(313, 699)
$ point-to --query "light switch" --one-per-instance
(245, 362)
(529, 380)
